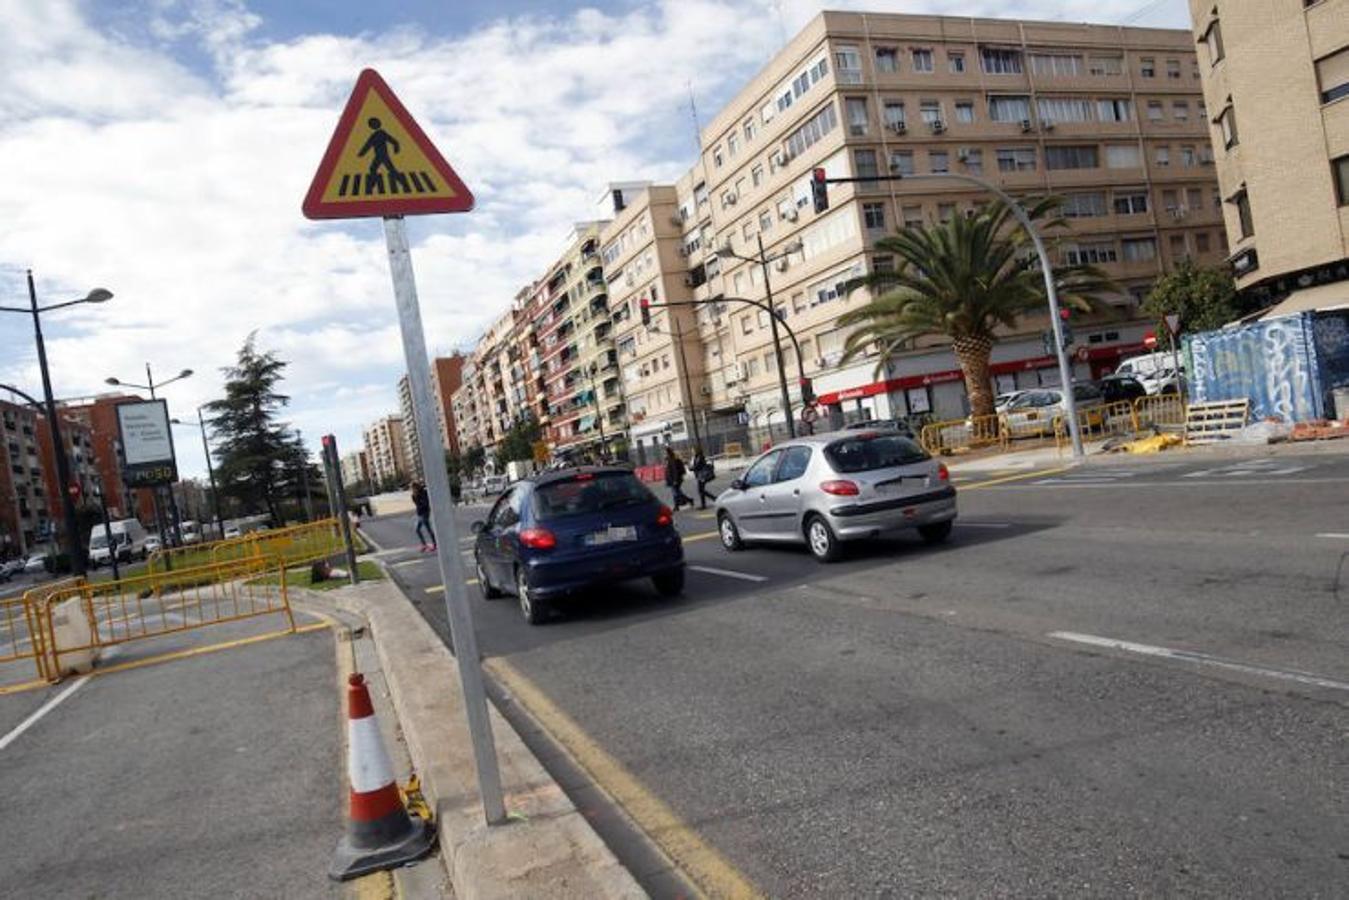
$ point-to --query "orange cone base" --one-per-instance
(414, 842)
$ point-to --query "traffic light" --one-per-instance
(75, 491)
(646, 311)
(1065, 313)
(807, 392)
(819, 189)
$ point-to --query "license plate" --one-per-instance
(889, 489)
(613, 535)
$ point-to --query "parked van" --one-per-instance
(129, 539)
(191, 532)
(1154, 371)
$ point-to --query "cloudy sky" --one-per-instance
(160, 148)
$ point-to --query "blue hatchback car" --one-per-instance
(571, 529)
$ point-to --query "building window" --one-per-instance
(1009, 109)
(747, 231)
(922, 60)
(1242, 201)
(1155, 112)
(894, 115)
(964, 112)
(815, 128)
(864, 164)
(930, 111)
(901, 162)
(1147, 67)
(1138, 249)
(766, 221)
(1091, 254)
(1056, 65)
(1162, 157)
(1115, 109)
(1063, 109)
(717, 159)
(1085, 156)
(1134, 203)
(1016, 159)
(1194, 199)
(1123, 156)
(873, 216)
(973, 158)
(1105, 65)
(913, 216)
(746, 324)
(939, 162)
(1187, 157)
(1173, 68)
(883, 263)
(997, 61)
(756, 175)
(1340, 168)
(732, 144)
(1213, 40)
(955, 59)
(1201, 242)
(849, 64)
(887, 59)
(857, 115)
(749, 130)
(1180, 111)
(1332, 73)
(946, 211)
(1083, 206)
(1177, 244)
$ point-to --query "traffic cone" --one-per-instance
(380, 833)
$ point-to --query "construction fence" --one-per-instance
(1165, 412)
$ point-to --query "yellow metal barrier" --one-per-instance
(1165, 411)
(158, 604)
(295, 545)
(1099, 422)
(964, 434)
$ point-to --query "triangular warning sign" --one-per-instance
(380, 163)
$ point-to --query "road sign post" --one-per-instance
(1173, 329)
(380, 163)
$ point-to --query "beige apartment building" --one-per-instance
(355, 468)
(412, 445)
(446, 376)
(1110, 118)
(386, 449)
(1276, 78)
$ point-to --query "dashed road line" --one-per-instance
(983, 524)
(700, 536)
(1039, 473)
(1204, 659)
(1334, 536)
(440, 588)
(727, 573)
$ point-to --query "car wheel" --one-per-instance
(937, 532)
(730, 535)
(531, 607)
(824, 546)
(669, 584)
(489, 592)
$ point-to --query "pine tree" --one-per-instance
(258, 458)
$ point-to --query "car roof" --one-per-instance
(829, 437)
(571, 472)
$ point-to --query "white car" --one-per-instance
(152, 545)
(35, 564)
(1033, 413)
(232, 531)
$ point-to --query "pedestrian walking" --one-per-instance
(674, 479)
(422, 503)
(703, 473)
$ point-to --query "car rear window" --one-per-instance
(585, 494)
(865, 453)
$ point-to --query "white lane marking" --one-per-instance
(1049, 483)
(52, 703)
(983, 525)
(1334, 536)
(1200, 658)
(727, 573)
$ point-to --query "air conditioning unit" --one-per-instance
(791, 215)
(938, 126)
(733, 374)
(1026, 126)
(963, 154)
(898, 127)
(821, 363)
(782, 158)
(782, 264)
(731, 199)
(1178, 212)
(688, 281)
(683, 251)
(705, 390)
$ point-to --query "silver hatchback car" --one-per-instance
(827, 489)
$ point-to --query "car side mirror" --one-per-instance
(738, 484)
(477, 527)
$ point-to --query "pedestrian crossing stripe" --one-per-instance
(379, 162)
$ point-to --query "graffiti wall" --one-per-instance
(1331, 332)
(1275, 363)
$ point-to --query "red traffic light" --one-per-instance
(74, 490)
(327, 440)
(645, 305)
(819, 174)
(1065, 313)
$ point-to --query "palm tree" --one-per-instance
(964, 278)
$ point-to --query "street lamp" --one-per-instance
(763, 259)
(74, 547)
(210, 471)
(173, 504)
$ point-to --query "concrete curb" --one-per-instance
(549, 849)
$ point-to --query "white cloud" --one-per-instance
(180, 189)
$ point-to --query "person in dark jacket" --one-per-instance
(674, 479)
(703, 473)
(422, 503)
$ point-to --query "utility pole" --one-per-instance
(777, 344)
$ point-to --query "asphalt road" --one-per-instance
(1126, 678)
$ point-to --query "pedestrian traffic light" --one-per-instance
(807, 391)
(819, 189)
(646, 311)
(1065, 313)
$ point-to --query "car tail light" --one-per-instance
(584, 476)
(665, 518)
(538, 538)
(943, 473)
(840, 488)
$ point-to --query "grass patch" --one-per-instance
(368, 570)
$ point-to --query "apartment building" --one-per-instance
(412, 445)
(386, 449)
(99, 415)
(1112, 119)
(661, 365)
(355, 468)
(30, 490)
(1276, 82)
(578, 366)
(446, 376)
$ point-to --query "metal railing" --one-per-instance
(1165, 411)
(293, 546)
(965, 434)
(1098, 423)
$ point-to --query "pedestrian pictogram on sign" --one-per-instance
(380, 163)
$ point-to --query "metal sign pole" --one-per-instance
(339, 491)
(442, 514)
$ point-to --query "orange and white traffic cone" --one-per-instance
(380, 833)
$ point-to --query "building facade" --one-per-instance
(1276, 81)
(355, 468)
(446, 376)
(25, 516)
(386, 450)
(99, 415)
(412, 445)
